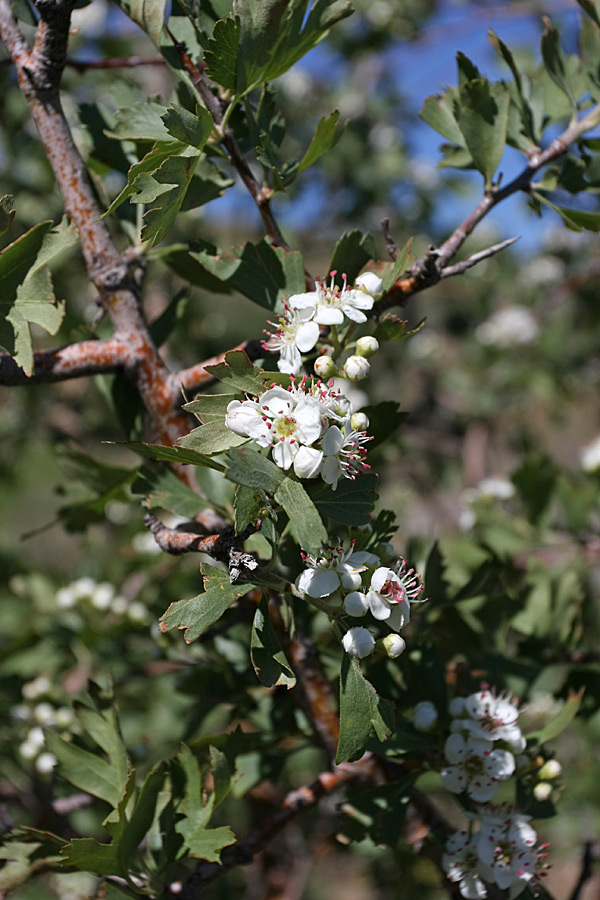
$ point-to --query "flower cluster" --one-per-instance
(86, 596)
(38, 712)
(359, 581)
(502, 852)
(307, 426)
(479, 752)
(297, 330)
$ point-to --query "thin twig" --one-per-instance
(390, 243)
(587, 859)
(460, 267)
(114, 62)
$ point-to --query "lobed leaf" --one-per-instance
(268, 659)
(361, 709)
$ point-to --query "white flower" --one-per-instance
(331, 304)
(367, 346)
(343, 454)
(358, 642)
(461, 863)
(370, 283)
(357, 368)
(475, 767)
(307, 462)
(103, 595)
(542, 790)
(393, 645)
(44, 714)
(589, 458)
(425, 716)
(339, 568)
(506, 851)
(392, 591)
(491, 717)
(507, 327)
(45, 762)
(296, 333)
(496, 487)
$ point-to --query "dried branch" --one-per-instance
(318, 699)
(39, 71)
(72, 361)
(471, 261)
(428, 270)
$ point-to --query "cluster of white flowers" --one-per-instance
(508, 327)
(308, 426)
(38, 713)
(359, 582)
(502, 852)
(298, 329)
(86, 594)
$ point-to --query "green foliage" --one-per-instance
(361, 709)
(196, 615)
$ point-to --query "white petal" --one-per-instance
(472, 887)
(455, 748)
(289, 360)
(284, 453)
(307, 336)
(355, 314)
(331, 471)
(333, 441)
(454, 779)
(500, 764)
(363, 558)
(399, 616)
(277, 402)
(356, 604)
(482, 788)
(379, 608)
(303, 301)
(369, 282)
(380, 576)
(307, 462)
(329, 315)
(317, 583)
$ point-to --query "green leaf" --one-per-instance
(91, 773)
(188, 128)
(248, 503)
(575, 219)
(221, 54)
(168, 185)
(438, 112)
(590, 8)
(561, 721)
(261, 272)
(482, 114)
(361, 708)
(353, 251)
(151, 162)
(148, 14)
(7, 213)
(199, 613)
(248, 467)
(525, 113)
(350, 504)
(214, 437)
(554, 60)
(384, 420)
(172, 454)
(222, 776)
(535, 481)
(238, 372)
(164, 490)
(201, 842)
(455, 157)
(379, 813)
(268, 659)
(207, 184)
(207, 407)
(400, 264)
(26, 293)
(141, 122)
(325, 137)
(436, 587)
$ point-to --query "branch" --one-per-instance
(196, 377)
(73, 361)
(39, 71)
(428, 270)
(465, 264)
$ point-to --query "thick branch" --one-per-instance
(73, 361)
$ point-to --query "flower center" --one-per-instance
(393, 591)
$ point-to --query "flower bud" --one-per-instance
(425, 716)
(550, 770)
(356, 368)
(542, 791)
(359, 422)
(370, 283)
(367, 346)
(392, 645)
(325, 367)
(45, 763)
(358, 642)
(356, 604)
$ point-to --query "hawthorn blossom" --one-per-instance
(490, 717)
(475, 767)
(461, 863)
(296, 333)
(343, 454)
(392, 591)
(331, 304)
(338, 568)
(506, 850)
(358, 642)
(357, 368)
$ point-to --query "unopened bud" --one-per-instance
(356, 604)
(359, 422)
(542, 791)
(356, 368)
(550, 770)
(358, 642)
(393, 645)
(325, 367)
(425, 716)
(367, 346)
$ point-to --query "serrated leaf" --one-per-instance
(89, 855)
(202, 611)
(361, 709)
(238, 372)
(350, 504)
(438, 112)
(214, 437)
(172, 454)
(575, 219)
(188, 128)
(171, 181)
(400, 264)
(352, 252)
(207, 407)
(222, 776)
(561, 721)
(221, 53)
(524, 109)
(384, 419)
(207, 184)
(151, 162)
(455, 157)
(140, 122)
(328, 133)
(201, 842)
(261, 272)
(247, 503)
(248, 467)
(268, 659)
(554, 61)
(164, 490)
(482, 114)
(7, 213)
(26, 294)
